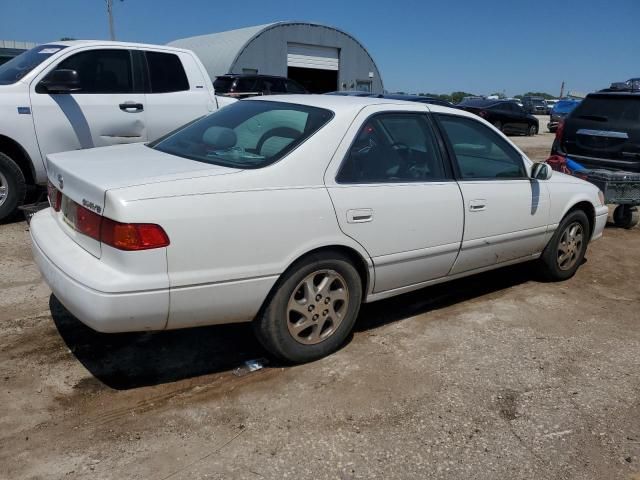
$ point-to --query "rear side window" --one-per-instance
(609, 109)
(294, 87)
(393, 147)
(246, 85)
(272, 86)
(102, 71)
(223, 84)
(480, 152)
(166, 73)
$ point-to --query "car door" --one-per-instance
(108, 108)
(520, 121)
(394, 194)
(173, 96)
(506, 212)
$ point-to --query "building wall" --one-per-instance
(268, 53)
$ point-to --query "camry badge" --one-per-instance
(60, 181)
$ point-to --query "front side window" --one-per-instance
(480, 152)
(393, 147)
(18, 67)
(166, 73)
(101, 71)
(246, 134)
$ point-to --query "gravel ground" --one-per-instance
(497, 376)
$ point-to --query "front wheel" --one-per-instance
(565, 251)
(626, 216)
(12, 186)
(312, 309)
(498, 125)
(532, 130)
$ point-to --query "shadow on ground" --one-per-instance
(131, 360)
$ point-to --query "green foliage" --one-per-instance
(544, 95)
(65, 39)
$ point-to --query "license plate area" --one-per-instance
(69, 211)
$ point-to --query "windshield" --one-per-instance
(565, 106)
(18, 67)
(246, 134)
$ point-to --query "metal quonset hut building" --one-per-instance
(320, 57)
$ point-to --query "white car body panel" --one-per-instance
(234, 232)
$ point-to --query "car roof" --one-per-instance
(249, 75)
(109, 43)
(341, 103)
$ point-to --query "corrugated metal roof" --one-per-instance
(218, 51)
(16, 45)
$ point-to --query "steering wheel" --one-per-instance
(408, 161)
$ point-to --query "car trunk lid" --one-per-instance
(84, 176)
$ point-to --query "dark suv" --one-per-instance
(603, 132)
(250, 85)
(535, 105)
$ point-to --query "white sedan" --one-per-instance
(291, 211)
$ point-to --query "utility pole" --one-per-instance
(562, 89)
(112, 31)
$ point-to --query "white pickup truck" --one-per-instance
(82, 94)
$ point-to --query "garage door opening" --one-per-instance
(314, 66)
(314, 80)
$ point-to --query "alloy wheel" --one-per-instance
(4, 189)
(570, 246)
(317, 307)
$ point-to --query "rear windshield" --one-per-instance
(18, 67)
(246, 134)
(223, 84)
(609, 108)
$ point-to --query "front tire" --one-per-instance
(12, 186)
(532, 130)
(498, 125)
(312, 308)
(565, 251)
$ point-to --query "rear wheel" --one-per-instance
(12, 186)
(565, 251)
(312, 310)
(626, 216)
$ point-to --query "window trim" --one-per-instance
(449, 174)
(454, 159)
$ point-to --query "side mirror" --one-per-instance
(61, 81)
(541, 171)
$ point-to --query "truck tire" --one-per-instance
(13, 187)
(626, 216)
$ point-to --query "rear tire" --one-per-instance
(12, 186)
(565, 251)
(626, 216)
(312, 308)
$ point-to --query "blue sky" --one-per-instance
(480, 46)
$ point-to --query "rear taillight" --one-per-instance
(55, 197)
(132, 236)
(123, 236)
(483, 113)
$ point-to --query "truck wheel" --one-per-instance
(564, 253)
(12, 186)
(626, 216)
(312, 308)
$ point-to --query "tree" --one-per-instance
(456, 97)
(66, 39)
(544, 95)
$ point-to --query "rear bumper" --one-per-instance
(68, 270)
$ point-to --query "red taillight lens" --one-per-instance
(483, 113)
(55, 197)
(132, 236)
(87, 222)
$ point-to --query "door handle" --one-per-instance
(360, 215)
(131, 107)
(477, 205)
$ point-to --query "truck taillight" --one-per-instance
(132, 236)
(55, 197)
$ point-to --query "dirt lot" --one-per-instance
(497, 376)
